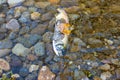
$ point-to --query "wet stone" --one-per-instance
(23, 72)
(68, 3)
(6, 44)
(39, 49)
(45, 71)
(47, 37)
(33, 68)
(14, 2)
(13, 25)
(4, 52)
(42, 4)
(20, 50)
(2, 36)
(105, 67)
(4, 65)
(15, 61)
(117, 71)
(47, 16)
(29, 41)
(40, 29)
(32, 76)
(35, 15)
(105, 75)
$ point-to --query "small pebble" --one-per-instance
(20, 50)
(33, 68)
(35, 15)
(105, 67)
(105, 75)
(4, 65)
(13, 25)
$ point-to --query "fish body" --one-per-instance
(61, 33)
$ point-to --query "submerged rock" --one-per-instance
(6, 44)
(4, 65)
(4, 52)
(39, 49)
(13, 25)
(20, 50)
(14, 2)
(46, 74)
(35, 15)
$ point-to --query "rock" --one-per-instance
(73, 9)
(105, 75)
(35, 15)
(29, 41)
(51, 25)
(2, 1)
(15, 61)
(47, 16)
(25, 17)
(73, 16)
(95, 42)
(13, 25)
(24, 30)
(45, 74)
(4, 65)
(95, 10)
(20, 50)
(42, 4)
(29, 3)
(4, 52)
(6, 44)
(3, 30)
(31, 57)
(40, 29)
(12, 35)
(47, 37)
(33, 68)
(115, 62)
(110, 42)
(54, 1)
(105, 67)
(68, 3)
(24, 72)
(32, 76)
(39, 49)
(78, 75)
(117, 72)
(2, 36)
(71, 56)
(76, 45)
(97, 78)
(55, 68)
(14, 2)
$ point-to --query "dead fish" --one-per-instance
(61, 33)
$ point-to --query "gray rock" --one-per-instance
(32, 76)
(51, 25)
(40, 29)
(4, 52)
(42, 4)
(39, 49)
(67, 3)
(6, 44)
(95, 42)
(25, 17)
(73, 16)
(29, 41)
(24, 30)
(117, 71)
(79, 42)
(47, 37)
(78, 75)
(13, 25)
(2, 20)
(20, 50)
(12, 35)
(14, 2)
(2, 36)
(47, 16)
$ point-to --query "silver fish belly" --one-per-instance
(59, 39)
